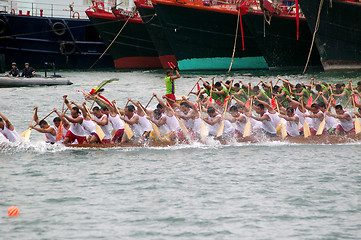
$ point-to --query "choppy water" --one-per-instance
(240, 191)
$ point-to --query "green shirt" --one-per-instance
(169, 84)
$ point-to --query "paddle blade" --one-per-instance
(156, 131)
(247, 128)
(321, 127)
(128, 131)
(310, 101)
(306, 130)
(204, 133)
(357, 125)
(220, 129)
(59, 133)
(100, 132)
(26, 133)
(283, 130)
(183, 127)
(273, 103)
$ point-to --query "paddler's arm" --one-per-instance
(269, 107)
(172, 78)
(132, 121)
(7, 122)
(264, 117)
(214, 121)
(225, 84)
(48, 130)
(102, 122)
(72, 120)
(318, 115)
(66, 124)
(293, 101)
(36, 118)
(343, 116)
(82, 109)
(218, 92)
(67, 102)
(109, 106)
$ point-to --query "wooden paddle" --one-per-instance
(283, 127)
(323, 123)
(148, 102)
(181, 123)
(26, 133)
(221, 127)
(127, 128)
(357, 121)
(306, 127)
(248, 127)
(99, 130)
(193, 87)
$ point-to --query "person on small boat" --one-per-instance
(213, 121)
(346, 125)
(28, 71)
(160, 120)
(170, 85)
(7, 129)
(317, 117)
(292, 122)
(239, 118)
(140, 126)
(268, 122)
(50, 131)
(14, 72)
(102, 120)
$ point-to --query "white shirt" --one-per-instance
(213, 129)
(12, 136)
(163, 128)
(77, 129)
(105, 127)
(50, 138)
(116, 122)
(89, 126)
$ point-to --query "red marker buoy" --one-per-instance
(13, 211)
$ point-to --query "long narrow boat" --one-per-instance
(6, 82)
(202, 37)
(133, 47)
(67, 42)
(332, 139)
(338, 36)
(274, 27)
(156, 33)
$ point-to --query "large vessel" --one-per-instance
(203, 37)
(338, 32)
(36, 36)
(125, 33)
(282, 35)
(155, 31)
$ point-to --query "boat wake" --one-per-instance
(36, 147)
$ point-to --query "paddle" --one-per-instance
(247, 127)
(357, 121)
(306, 127)
(27, 132)
(221, 127)
(193, 87)
(183, 127)
(310, 99)
(210, 93)
(283, 127)
(149, 101)
(127, 128)
(203, 127)
(156, 130)
(323, 123)
(99, 130)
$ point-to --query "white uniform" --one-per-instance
(163, 128)
(12, 136)
(77, 129)
(104, 128)
(268, 125)
(145, 124)
(316, 122)
(135, 127)
(292, 128)
(300, 116)
(240, 125)
(116, 122)
(213, 129)
(197, 126)
(347, 125)
(275, 119)
(172, 123)
(330, 122)
(50, 138)
(228, 128)
(89, 126)
(189, 123)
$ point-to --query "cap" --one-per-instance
(26, 63)
(14, 63)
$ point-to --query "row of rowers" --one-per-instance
(306, 92)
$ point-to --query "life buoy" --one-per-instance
(67, 48)
(58, 28)
(2, 26)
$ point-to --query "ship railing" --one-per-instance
(29, 8)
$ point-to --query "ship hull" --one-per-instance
(133, 48)
(31, 39)
(202, 38)
(156, 33)
(339, 33)
(278, 41)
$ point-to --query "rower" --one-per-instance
(57, 122)
(170, 84)
(140, 126)
(213, 121)
(102, 120)
(76, 130)
(160, 120)
(301, 92)
(197, 121)
(317, 117)
(292, 121)
(187, 115)
(28, 71)
(240, 119)
(268, 127)
(50, 131)
(346, 125)
(331, 123)
(14, 72)
(7, 129)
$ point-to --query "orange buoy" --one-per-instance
(13, 211)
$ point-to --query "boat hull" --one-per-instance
(278, 41)
(156, 33)
(202, 38)
(339, 33)
(133, 48)
(35, 81)
(30, 39)
(332, 139)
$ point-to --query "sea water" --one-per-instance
(269, 190)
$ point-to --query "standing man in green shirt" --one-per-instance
(170, 85)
